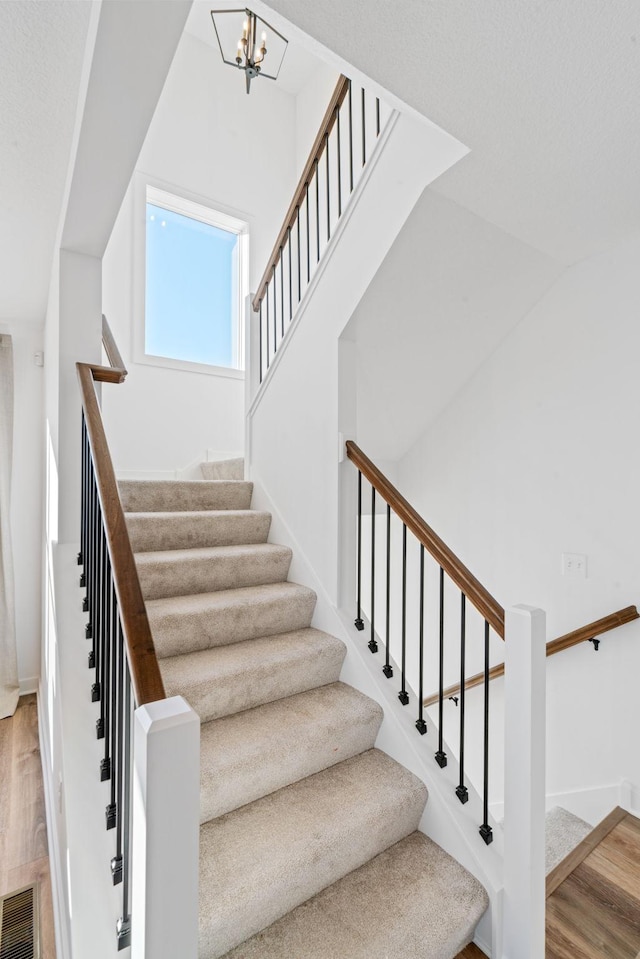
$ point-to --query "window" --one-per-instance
(194, 290)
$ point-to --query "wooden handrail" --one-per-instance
(473, 589)
(143, 663)
(111, 349)
(582, 635)
(339, 94)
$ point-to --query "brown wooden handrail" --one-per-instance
(339, 94)
(473, 589)
(111, 349)
(582, 635)
(143, 662)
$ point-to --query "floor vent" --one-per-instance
(20, 924)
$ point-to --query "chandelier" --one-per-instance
(244, 39)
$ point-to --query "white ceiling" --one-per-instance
(41, 55)
(546, 93)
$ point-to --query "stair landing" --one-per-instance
(593, 896)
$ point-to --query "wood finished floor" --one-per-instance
(594, 913)
(471, 952)
(24, 854)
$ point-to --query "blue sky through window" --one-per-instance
(191, 289)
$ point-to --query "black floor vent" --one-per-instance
(20, 924)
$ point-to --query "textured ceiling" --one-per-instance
(41, 54)
(544, 92)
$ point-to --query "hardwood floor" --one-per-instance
(593, 909)
(471, 952)
(24, 854)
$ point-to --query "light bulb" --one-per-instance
(245, 30)
(264, 37)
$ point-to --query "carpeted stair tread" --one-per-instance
(178, 572)
(232, 469)
(183, 624)
(193, 529)
(259, 862)
(228, 679)
(155, 496)
(253, 753)
(563, 832)
(413, 901)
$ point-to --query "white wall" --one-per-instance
(311, 105)
(237, 152)
(537, 455)
(26, 497)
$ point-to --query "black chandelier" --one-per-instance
(243, 37)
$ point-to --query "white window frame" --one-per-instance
(149, 190)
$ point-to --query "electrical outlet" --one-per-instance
(574, 564)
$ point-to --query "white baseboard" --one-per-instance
(29, 684)
(61, 927)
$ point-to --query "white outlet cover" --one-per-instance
(574, 564)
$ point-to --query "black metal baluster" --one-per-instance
(100, 637)
(281, 293)
(387, 669)
(298, 249)
(306, 188)
(339, 161)
(403, 695)
(117, 796)
(441, 756)
(421, 725)
(105, 765)
(266, 326)
(377, 116)
(290, 280)
(326, 151)
(461, 790)
(93, 603)
(364, 131)
(86, 602)
(373, 645)
(317, 212)
(359, 624)
(275, 310)
(87, 557)
(485, 829)
(260, 334)
(350, 141)
(110, 812)
(83, 503)
(123, 926)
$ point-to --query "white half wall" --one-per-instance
(536, 456)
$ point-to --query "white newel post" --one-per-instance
(166, 831)
(524, 786)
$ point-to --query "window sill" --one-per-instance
(184, 366)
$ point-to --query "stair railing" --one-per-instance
(589, 633)
(469, 588)
(344, 143)
(471, 594)
(134, 710)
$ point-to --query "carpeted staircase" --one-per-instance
(309, 843)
